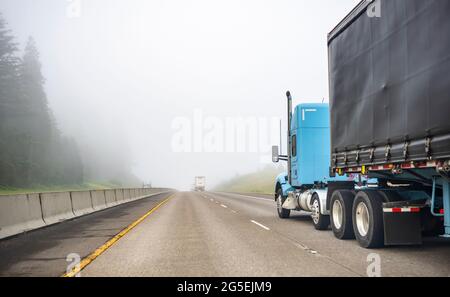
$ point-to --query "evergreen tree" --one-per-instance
(38, 131)
(9, 93)
(32, 149)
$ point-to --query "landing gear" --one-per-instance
(341, 214)
(282, 213)
(320, 221)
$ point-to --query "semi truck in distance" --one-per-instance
(374, 164)
(200, 184)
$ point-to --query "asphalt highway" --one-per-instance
(218, 234)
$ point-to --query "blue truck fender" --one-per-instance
(282, 182)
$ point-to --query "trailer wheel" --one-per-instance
(341, 214)
(368, 219)
(320, 221)
(282, 213)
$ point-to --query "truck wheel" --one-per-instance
(320, 221)
(282, 213)
(341, 214)
(368, 219)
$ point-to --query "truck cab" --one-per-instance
(304, 186)
(310, 145)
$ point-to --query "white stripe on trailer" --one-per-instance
(402, 210)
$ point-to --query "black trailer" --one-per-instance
(389, 76)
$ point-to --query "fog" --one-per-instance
(157, 85)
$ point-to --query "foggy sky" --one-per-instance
(120, 73)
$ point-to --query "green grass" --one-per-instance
(261, 182)
(59, 188)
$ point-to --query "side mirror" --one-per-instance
(275, 154)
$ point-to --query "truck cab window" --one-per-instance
(294, 146)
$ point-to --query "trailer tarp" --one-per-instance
(390, 83)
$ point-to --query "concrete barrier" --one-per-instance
(56, 207)
(98, 200)
(82, 203)
(119, 196)
(19, 214)
(110, 198)
(127, 194)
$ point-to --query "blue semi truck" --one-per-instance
(374, 164)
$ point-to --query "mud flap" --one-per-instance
(402, 224)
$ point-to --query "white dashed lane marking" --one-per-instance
(260, 225)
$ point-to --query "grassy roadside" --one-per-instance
(260, 182)
(60, 188)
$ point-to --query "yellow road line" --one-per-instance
(89, 259)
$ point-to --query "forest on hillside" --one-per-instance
(33, 151)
